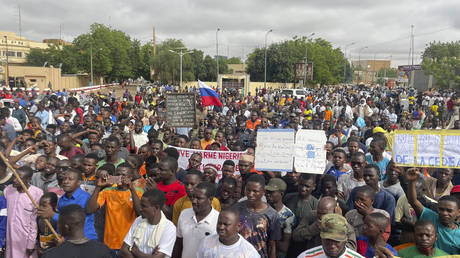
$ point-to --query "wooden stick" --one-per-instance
(47, 222)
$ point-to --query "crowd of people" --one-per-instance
(104, 171)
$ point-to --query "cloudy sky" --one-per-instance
(382, 26)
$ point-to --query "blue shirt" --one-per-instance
(364, 247)
(2, 221)
(448, 239)
(381, 164)
(335, 172)
(81, 198)
(383, 200)
(44, 116)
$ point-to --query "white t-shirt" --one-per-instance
(167, 240)
(192, 232)
(211, 247)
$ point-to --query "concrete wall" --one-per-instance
(42, 76)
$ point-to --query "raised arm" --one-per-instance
(412, 174)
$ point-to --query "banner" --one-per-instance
(427, 148)
(283, 149)
(274, 150)
(310, 154)
(209, 157)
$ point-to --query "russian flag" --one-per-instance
(208, 96)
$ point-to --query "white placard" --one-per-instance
(310, 154)
(274, 150)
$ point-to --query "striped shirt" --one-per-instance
(318, 252)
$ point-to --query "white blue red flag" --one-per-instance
(208, 96)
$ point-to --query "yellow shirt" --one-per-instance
(185, 203)
(205, 143)
(119, 214)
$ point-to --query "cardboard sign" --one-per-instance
(427, 148)
(180, 110)
(274, 150)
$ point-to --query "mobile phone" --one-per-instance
(113, 179)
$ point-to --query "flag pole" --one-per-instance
(24, 187)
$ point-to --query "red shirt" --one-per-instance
(173, 192)
(72, 152)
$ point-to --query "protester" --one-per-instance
(122, 205)
(71, 223)
(197, 222)
(151, 233)
(260, 222)
(333, 232)
(425, 236)
(274, 192)
(227, 242)
(444, 218)
(21, 230)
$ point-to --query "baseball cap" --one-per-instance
(378, 129)
(276, 184)
(334, 226)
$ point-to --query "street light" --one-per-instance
(7, 71)
(181, 54)
(359, 62)
(265, 72)
(306, 63)
(91, 61)
(217, 59)
(345, 63)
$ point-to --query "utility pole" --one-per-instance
(7, 71)
(265, 57)
(217, 58)
(412, 72)
(91, 63)
(154, 42)
(181, 54)
(306, 60)
(359, 63)
(346, 61)
(20, 22)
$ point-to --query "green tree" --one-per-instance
(327, 62)
(233, 60)
(37, 57)
(442, 60)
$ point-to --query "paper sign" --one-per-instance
(310, 155)
(451, 151)
(404, 149)
(427, 148)
(274, 150)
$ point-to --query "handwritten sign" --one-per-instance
(274, 150)
(209, 157)
(427, 148)
(180, 110)
(310, 155)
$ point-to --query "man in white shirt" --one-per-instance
(139, 136)
(151, 233)
(197, 222)
(227, 242)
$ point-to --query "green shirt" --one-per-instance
(412, 252)
(102, 162)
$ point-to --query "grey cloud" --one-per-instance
(384, 26)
